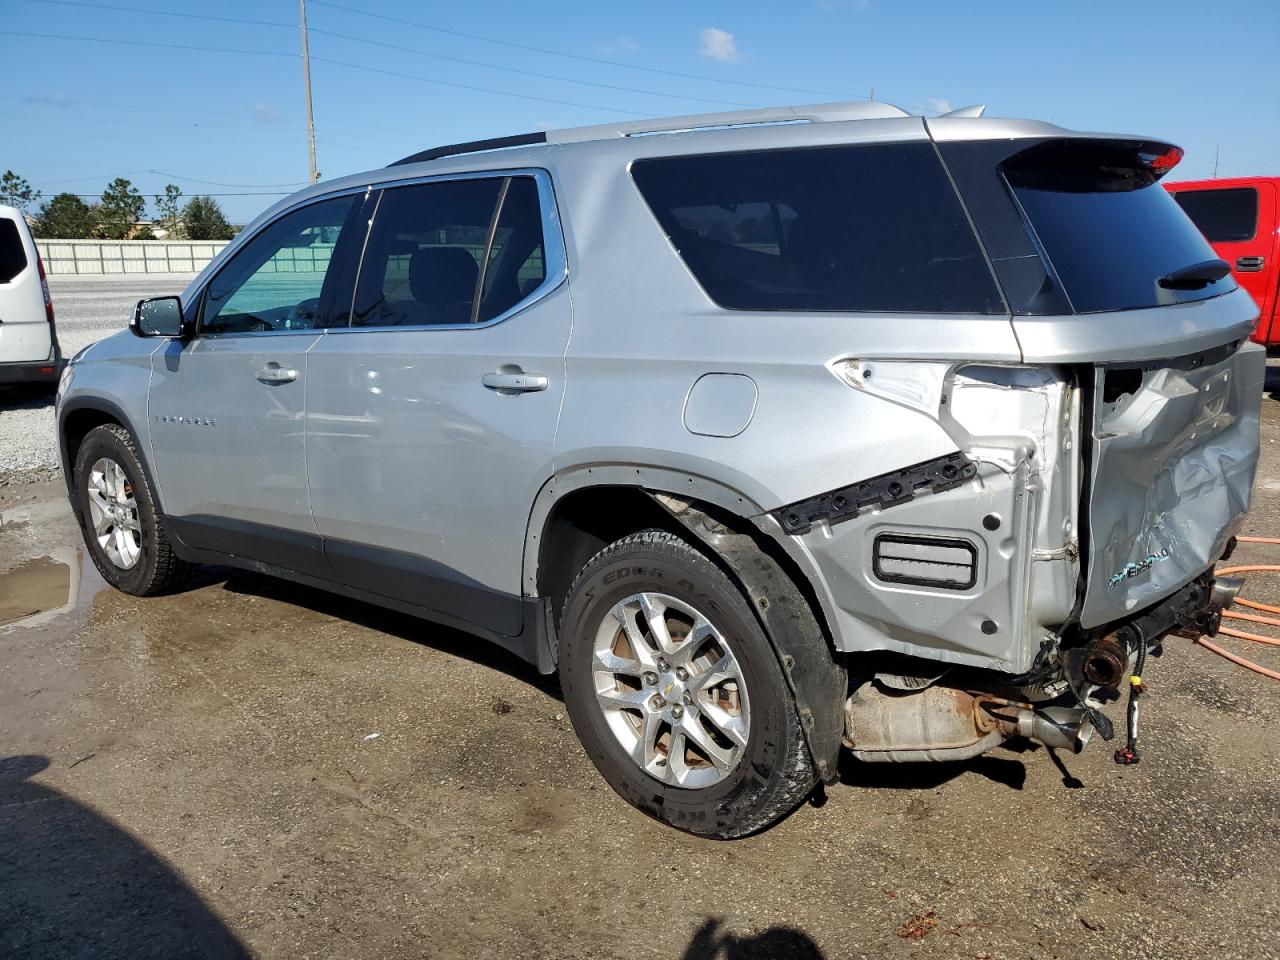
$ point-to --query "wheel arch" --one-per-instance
(580, 511)
(76, 417)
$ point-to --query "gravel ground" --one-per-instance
(87, 309)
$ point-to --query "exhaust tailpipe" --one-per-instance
(1225, 590)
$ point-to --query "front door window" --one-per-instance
(277, 281)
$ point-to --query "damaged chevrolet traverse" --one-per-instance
(776, 434)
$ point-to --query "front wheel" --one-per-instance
(123, 528)
(675, 690)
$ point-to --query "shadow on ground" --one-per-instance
(1001, 766)
(37, 397)
(402, 625)
(997, 766)
(74, 885)
(1272, 382)
(776, 943)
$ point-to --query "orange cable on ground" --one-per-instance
(1252, 618)
(1247, 664)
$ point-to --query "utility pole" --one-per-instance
(1216, 148)
(306, 79)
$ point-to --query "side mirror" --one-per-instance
(157, 317)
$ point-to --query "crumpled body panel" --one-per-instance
(1175, 451)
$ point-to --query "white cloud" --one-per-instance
(621, 45)
(49, 99)
(940, 105)
(718, 44)
(265, 113)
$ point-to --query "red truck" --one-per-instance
(1240, 217)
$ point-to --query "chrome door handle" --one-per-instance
(274, 373)
(516, 381)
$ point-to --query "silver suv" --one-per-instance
(772, 432)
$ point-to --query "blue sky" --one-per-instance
(178, 100)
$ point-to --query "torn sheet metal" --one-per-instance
(1175, 451)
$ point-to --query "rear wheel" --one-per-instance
(676, 692)
(122, 527)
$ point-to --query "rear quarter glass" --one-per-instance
(869, 228)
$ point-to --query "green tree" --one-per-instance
(122, 206)
(16, 192)
(169, 209)
(204, 220)
(65, 217)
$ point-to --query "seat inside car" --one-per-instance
(442, 281)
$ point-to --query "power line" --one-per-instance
(216, 183)
(167, 13)
(471, 36)
(467, 86)
(577, 56)
(190, 125)
(264, 125)
(530, 73)
(136, 139)
(339, 63)
(146, 43)
(403, 49)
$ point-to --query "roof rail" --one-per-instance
(473, 146)
(813, 113)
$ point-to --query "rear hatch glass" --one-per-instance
(1114, 237)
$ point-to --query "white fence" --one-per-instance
(127, 256)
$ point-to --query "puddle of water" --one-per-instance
(39, 590)
(34, 587)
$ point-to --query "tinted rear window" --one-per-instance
(1223, 216)
(1108, 228)
(866, 228)
(13, 258)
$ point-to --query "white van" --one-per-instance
(29, 350)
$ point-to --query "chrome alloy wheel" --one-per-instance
(114, 513)
(671, 690)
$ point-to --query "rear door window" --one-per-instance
(1223, 216)
(1110, 231)
(13, 257)
(451, 252)
(874, 228)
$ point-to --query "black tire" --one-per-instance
(775, 771)
(158, 569)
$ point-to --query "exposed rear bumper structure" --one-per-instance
(891, 720)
